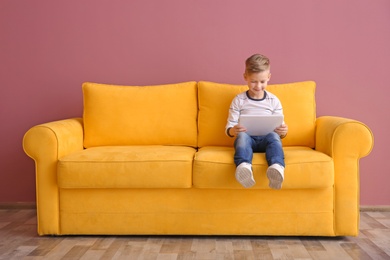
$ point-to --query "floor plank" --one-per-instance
(19, 240)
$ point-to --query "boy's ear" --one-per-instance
(244, 76)
(269, 76)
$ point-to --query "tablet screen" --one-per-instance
(260, 125)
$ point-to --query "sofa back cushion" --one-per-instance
(140, 115)
(298, 101)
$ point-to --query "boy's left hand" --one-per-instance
(282, 130)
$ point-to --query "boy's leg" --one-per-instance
(274, 150)
(272, 146)
(243, 149)
(243, 159)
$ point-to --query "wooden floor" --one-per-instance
(19, 240)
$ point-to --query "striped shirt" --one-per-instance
(243, 104)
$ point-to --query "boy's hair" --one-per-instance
(257, 63)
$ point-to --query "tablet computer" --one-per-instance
(260, 125)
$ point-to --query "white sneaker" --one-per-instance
(275, 175)
(244, 175)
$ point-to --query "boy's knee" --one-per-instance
(242, 139)
(242, 135)
(273, 137)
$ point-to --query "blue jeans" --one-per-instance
(245, 145)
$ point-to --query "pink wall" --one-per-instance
(48, 48)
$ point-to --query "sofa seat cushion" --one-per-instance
(305, 169)
(127, 167)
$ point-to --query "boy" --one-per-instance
(257, 101)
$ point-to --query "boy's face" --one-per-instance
(257, 82)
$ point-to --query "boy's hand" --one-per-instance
(282, 130)
(236, 129)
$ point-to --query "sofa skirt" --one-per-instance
(194, 211)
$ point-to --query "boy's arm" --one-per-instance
(234, 115)
(278, 110)
(277, 106)
(228, 132)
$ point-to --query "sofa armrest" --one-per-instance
(46, 143)
(346, 141)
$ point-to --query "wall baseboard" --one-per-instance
(379, 208)
(18, 205)
(32, 205)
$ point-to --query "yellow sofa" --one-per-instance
(156, 160)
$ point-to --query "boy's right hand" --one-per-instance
(237, 129)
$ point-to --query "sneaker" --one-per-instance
(244, 175)
(275, 175)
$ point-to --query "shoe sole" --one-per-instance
(275, 179)
(245, 177)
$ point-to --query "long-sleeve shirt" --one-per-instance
(243, 104)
